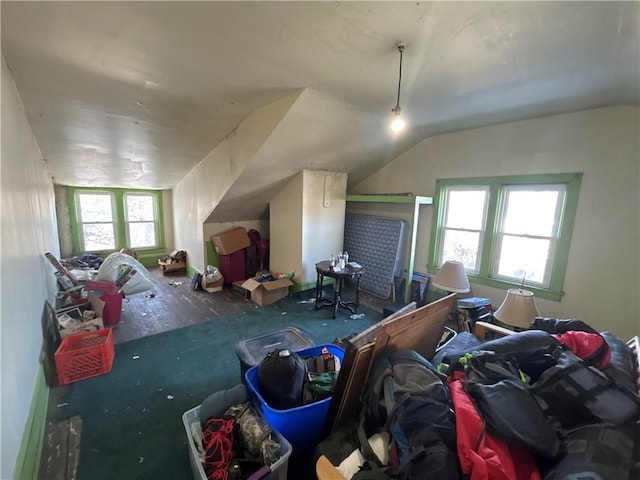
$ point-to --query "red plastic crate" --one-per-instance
(84, 355)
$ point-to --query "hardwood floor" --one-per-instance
(170, 304)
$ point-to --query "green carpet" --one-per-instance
(131, 417)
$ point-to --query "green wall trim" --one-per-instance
(395, 198)
(28, 462)
(151, 260)
(547, 294)
(191, 270)
(304, 286)
(212, 255)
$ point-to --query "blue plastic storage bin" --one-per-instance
(301, 426)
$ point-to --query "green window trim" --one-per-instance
(119, 219)
(554, 291)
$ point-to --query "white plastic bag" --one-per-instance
(213, 273)
(114, 265)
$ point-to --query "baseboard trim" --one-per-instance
(28, 462)
(304, 286)
(191, 270)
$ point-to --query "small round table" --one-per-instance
(324, 270)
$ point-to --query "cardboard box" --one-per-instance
(172, 267)
(238, 289)
(87, 326)
(266, 293)
(212, 286)
(231, 241)
(97, 305)
(179, 256)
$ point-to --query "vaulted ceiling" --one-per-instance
(135, 94)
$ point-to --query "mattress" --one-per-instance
(378, 244)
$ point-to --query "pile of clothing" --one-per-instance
(552, 402)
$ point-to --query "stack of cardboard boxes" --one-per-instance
(230, 247)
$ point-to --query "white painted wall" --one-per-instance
(199, 192)
(602, 282)
(26, 279)
(322, 226)
(303, 231)
(167, 217)
(285, 228)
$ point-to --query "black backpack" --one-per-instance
(407, 398)
(281, 378)
(577, 395)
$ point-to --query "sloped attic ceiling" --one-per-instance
(135, 94)
(317, 133)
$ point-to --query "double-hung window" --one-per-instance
(140, 218)
(96, 221)
(105, 220)
(507, 230)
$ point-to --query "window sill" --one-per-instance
(545, 293)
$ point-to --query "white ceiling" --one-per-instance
(135, 94)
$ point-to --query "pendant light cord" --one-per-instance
(400, 49)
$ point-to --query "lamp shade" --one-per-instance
(452, 277)
(518, 308)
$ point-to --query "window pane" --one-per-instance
(142, 235)
(98, 236)
(524, 258)
(531, 212)
(461, 246)
(465, 209)
(140, 208)
(95, 207)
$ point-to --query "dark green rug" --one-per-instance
(131, 417)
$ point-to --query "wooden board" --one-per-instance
(418, 330)
(355, 364)
(63, 447)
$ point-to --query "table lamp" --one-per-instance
(518, 308)
(452, 277)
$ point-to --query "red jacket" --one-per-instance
(483, 456)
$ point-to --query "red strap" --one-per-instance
(217, 441)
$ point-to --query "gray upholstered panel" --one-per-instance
(378, 245)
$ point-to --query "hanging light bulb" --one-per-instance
(398, 123)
